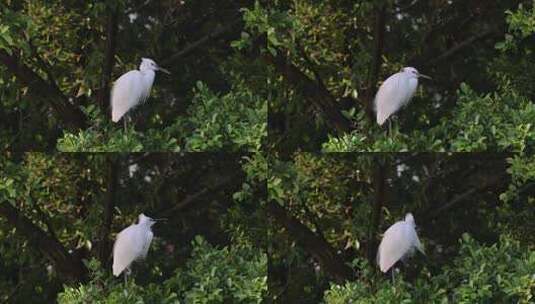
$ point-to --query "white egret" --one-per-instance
(399, 242)
(132, 244)
(133, 88)
(395, 92)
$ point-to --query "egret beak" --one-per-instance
(424, 76)
(163, 70)
(160, 220)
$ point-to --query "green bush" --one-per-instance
(502, 121)
(235, 121)
(500, 273)
(236, 274)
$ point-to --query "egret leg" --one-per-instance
(393, 270)
(124, 124)
(126, 274)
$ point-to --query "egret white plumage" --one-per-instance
(133, 88)
(132, 244)
(395, 92)
(399, 242)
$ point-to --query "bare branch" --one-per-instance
(208, 38)
(459, 47)
(495, 180)
(192, 198)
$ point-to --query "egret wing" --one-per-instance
(148, 79)
(417, 242)
(126, 93)
(389, 98)
(394, 246)
(408, 87)
(146, 244)
(126, 248)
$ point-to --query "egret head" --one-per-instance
(413, 73)
(409, 219)
(145, 220)
(148, 64)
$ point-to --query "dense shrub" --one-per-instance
(235, 274)
(499, 273)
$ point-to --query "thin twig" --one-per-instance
(459, 47)
(194, 45)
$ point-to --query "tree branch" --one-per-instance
(208, 38)
(190, 199)
(311, 91)
(105, 246)
(458, 47)
(43, 66)
(402, 9)
(301, 49)
(380, 27)
(66, 112)
(71, 268)
(333, 265)
(380, 188)
(109, 61)
(494, 180)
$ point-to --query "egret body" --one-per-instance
(132, 88)
(132, 244)
(395, 92)
(399, 242)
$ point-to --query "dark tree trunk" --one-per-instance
(109, 62)
(104, 249)
(380, 26)
(379, 181)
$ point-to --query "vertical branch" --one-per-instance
(379, 181)
(380, 26)
(104, 249)
(109, 61)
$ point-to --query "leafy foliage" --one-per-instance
(474, 121)
(63, 198)
(500, 273)
(235, 121)
(338, 197)
(210, 102)
(337, 48)
(234, 274)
